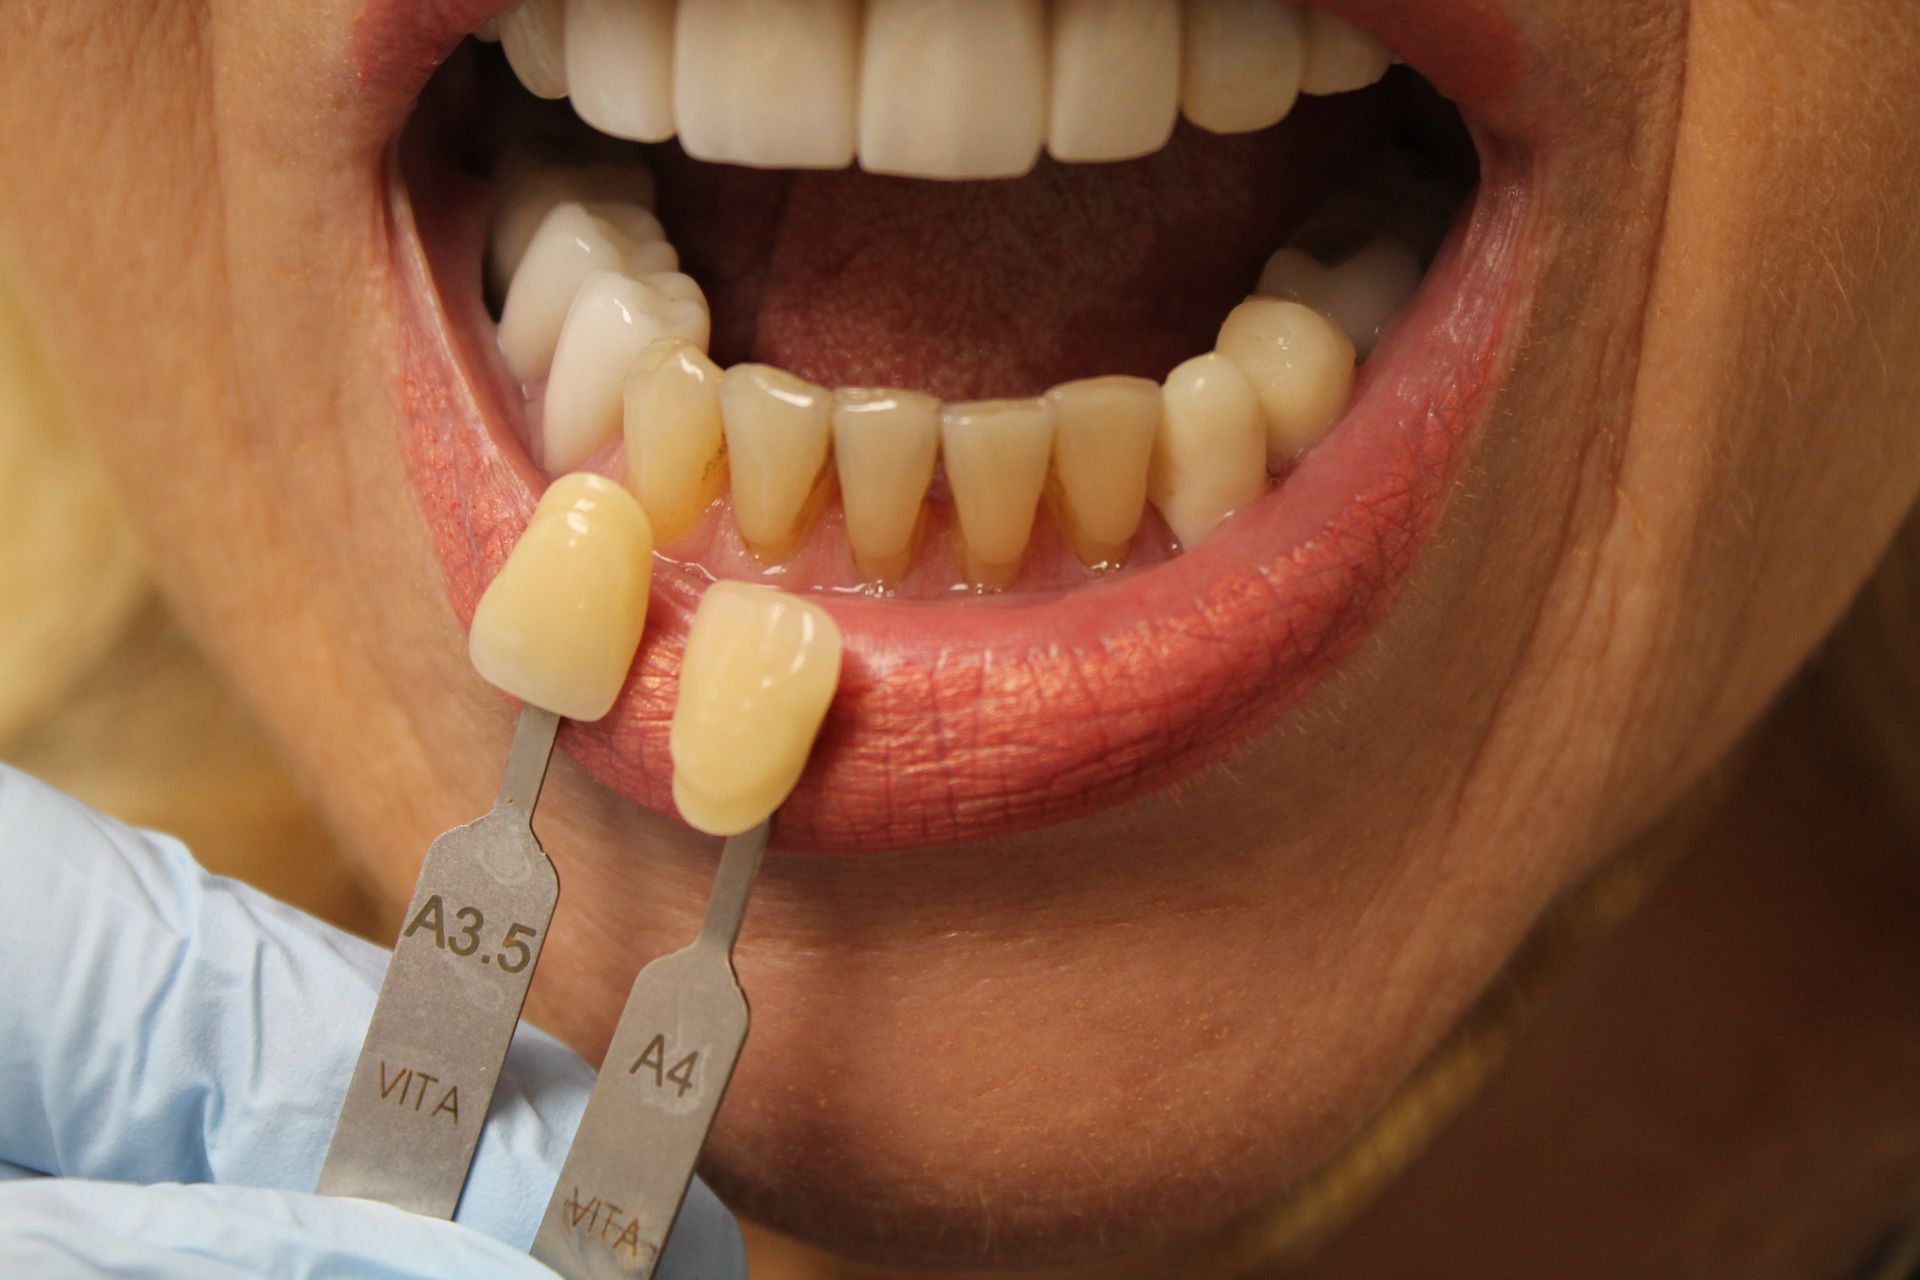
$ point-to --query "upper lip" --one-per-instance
(955, 724)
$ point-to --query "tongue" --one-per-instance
(981, 289)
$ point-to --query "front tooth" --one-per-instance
(953, 88)
(996, 454)
(612, 320)
(1340, 56)
(1104, 429)
(1300, 362)
(558, 625)
(1115, 78)
(767, 82)
(570, 245)
(620, 66)
(885, 444)
(779, 429)
(1361, 295)
(758, 674)
(676, 445)
(533, 33)
(1243, 60)
(1210, 458)
(531, 184)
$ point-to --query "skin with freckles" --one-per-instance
(1099, 1045)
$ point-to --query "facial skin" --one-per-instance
(1104, 1036)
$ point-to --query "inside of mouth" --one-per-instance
(991, 298)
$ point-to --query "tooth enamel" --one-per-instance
(612, 320)
(1115, 78)
(570, 245)
(530, 185)
(768, 82)
(953, 88)
(1361, 295)
(619, 66)
(996, 454)
(1104, 429)
(533, 33)
(758, 674)
(778, 430)
(1242, 62)
(1210, 458)
(1299, 362)
(1340, 57)
(676, 445)
(885, 444)
(558, 625)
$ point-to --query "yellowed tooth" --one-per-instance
(996, 455)
(559, 624)
(1301, 364)
(885, 444)
(1340, 56)
(1361, 293)
(759, 672)
(779, 430)
(1241, 62)
(533, 33)
(1210, 458)
(1103, 434)
(676, 445)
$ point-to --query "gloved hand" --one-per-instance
(174, 1048)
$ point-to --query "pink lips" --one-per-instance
(961, 723)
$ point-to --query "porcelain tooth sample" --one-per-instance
(676, 444)
(1104, 431)
(953, 88)
(533, 33)
(996, 454)
(885, 446)
(1243, 61)
(1115, 78)
(1361, 294)
(531, 183)
(572, 242)
(1210, 457)
(779, 432)
(558, 625)
(1340, 56)
(1300, 363)
(758, 674)
(619, 66)
(768, 82)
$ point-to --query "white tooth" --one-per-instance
(767, 82)
(1299, 362)
(1210, 458)
(1242, 61)
(676, 445)
(620, 66)
(571, 244)
(996, 454)
(1340, 57)
(1116, 78)
(1104, 429)
(612, 320)
(1362, 295)
(779, 429)
(533, 33)
(953, 88)
(885, 444)
(529, 185)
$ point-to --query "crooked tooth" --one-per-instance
(996, 454)
(953, 88)
(533, 33)
(676, 444)
(1361, 295)
(1340, 56)
(612, 320)
(571, 244)
(885, 445)
(619, 66)
(530, 185)
(1104, 429)
(1115, 83)
(1210, 458)
(1300, 363)
(778, 429)
(558, 625)
(758, 674)
(768, 82)
(1242, 63)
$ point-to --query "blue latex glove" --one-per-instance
(173, 1050)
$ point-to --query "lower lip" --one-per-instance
(965, 722)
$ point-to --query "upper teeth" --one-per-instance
(929, 88)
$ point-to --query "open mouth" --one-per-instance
(1102, 364)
